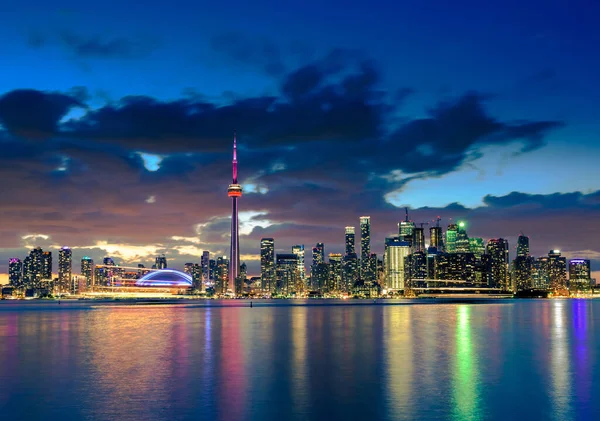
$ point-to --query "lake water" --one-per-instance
(508, 360)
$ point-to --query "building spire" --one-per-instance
(234, 157)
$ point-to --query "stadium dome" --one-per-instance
(165, 278)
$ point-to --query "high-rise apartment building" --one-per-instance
(15, 272)
(65, 270)
(335, 282)
(435, 238)
(205, 264)
(87, 271)
(47, 265)
(365, 249)
(497, 250)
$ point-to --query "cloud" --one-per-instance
(31, 113)
(326, 149)
(105, 48)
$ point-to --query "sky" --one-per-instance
(116, 124)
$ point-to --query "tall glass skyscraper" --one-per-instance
(579, 274)
(267, 265)
(396, 252)
(87, 271)
(451, 237)
(365, 248)
(298, 250)
(205, 264)
(65, 271)
(523, 245)
(497, 251)
(350, 240)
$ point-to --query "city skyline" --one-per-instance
(122, 147)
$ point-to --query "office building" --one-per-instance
(288, 276)
(579, 274)
(396, 251)
(267, 265)
(298, 250)
(350, 240)
(15, 272)
(557, 272)
(366, 273)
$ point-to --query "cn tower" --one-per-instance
(234, 191)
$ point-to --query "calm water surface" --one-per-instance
(529, 360)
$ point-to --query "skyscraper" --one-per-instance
(451, 236)
(65, 264)
(462, 239)
(188, 268)
(497, 250)
(419, 239)
(349, 270)
(350, 240)
(87, 271)
(318, 254)
(523, 245)
(235, 192)
(396, 251)
(32, 268)
(205, 263)
(267, 265)
(288, 276)
(15, 272)
(47, 265)
(161, 262)
(365, 248)
(579, 274)
(335, 282)
(557, 271)
(298, 250)
(221, 274)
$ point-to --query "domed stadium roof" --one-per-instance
(165, 278)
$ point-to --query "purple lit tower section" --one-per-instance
(234, 191)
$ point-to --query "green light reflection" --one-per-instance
(465, 369)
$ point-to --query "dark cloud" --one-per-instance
(31, 113)
(97, 47)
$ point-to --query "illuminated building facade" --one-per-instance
(350, 270)
(539, 273)
(523, 245)
(579, 274)
(235, 192)
(335, 282)
(435, 238)
(222, 275)
(366, 273)
(298, 250)
(350, 240)
(557, 271)
(451, 237)
(65, 270)
(15, 272)
(267, 265)
(462, 244)
(406, 230)
(87, 271)
(288, 276)
(32, 268)
(47, 265)
(418, 239)
(396, 251)
(205, 263)
(165, 278)
(477, 247)
(188, 269)
(498, 275)
(196, 275)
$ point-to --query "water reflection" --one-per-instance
(465, 381)
(464, 362)
(559, 351)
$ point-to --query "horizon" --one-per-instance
(118, 129)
